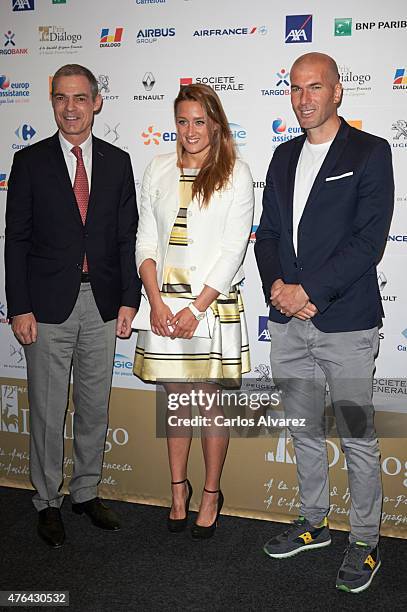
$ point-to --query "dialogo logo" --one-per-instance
(111, 40)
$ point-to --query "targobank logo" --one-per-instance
(239, 134)
(298, 29)
(282, 86)
(261, 30)
(10, 45)
(263, 332)
(152, 35)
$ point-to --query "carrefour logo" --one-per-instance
(25, 131)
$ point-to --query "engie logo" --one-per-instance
(111, 40)
(239, 134)
(123, 366)
(263, 332)
(151, 35)
(298, 29)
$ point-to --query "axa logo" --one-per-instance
(263, 334)
(298, 29)
(22, 5)
(154, 136)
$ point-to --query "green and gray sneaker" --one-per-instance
(358, 568)
(301, 535)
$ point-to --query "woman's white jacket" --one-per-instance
(217, 235)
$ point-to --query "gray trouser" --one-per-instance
(87, 342)
(303, 359)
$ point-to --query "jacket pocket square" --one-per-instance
(340, 176)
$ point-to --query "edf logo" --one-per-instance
(298, 29)
(23, 5)
(263, 334)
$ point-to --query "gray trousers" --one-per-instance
(303, 359)
(88, 343)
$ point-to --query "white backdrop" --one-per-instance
(244, 50)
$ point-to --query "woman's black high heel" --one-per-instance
(177, 525)
(199, 532)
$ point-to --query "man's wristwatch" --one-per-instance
(199, 316)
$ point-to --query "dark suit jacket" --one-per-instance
(46, 240)
(342, 232)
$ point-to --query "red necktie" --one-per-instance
(81, 190)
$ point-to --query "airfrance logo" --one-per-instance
(152, 35)
(261, 30)
(263, 332)
(298, 29)
(111, 40)
(22, 5)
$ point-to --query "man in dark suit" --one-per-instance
(327, 208)
(71, 287)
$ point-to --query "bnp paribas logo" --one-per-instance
(343, 26)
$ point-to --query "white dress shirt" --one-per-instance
(309, 164)
(70, 158)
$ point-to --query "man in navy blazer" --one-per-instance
(71, 286)
(327, 208)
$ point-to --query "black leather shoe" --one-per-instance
(51, 527)
(100, 514)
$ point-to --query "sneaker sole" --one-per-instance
(296, 551)
(346, 589)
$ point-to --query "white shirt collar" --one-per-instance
(86, 145)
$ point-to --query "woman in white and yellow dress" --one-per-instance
(195, 220)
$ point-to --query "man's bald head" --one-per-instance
(324, 61)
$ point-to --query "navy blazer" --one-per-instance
(342, 232)
(46, 240)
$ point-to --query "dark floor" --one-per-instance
(144, 567)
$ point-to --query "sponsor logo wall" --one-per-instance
(141, 53)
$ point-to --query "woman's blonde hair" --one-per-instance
(220, 159)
